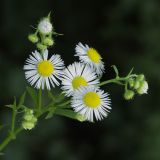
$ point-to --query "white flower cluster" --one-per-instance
(79, 80)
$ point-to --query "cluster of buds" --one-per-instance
(137, 85)
(43, 34)
(29, 119)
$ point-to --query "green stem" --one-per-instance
(13, 120)
(117, 80)
(10, 137)
(39, 101)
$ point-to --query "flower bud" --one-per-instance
(143, 89)
(28, 117)
(30, 120)
(136, 84)
(41, 46)
(131, 83)
(80, 117)
(28, 125)
(33, 38)
(129, 94)
(140, 77)
(45, 26)
(48, 41)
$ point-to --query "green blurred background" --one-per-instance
(127, 34)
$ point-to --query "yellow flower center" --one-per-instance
(94, 55)
(78, 82)
(92, 99)
(45, 68)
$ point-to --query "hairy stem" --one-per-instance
(11, 136)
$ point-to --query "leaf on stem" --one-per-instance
(22, 99)
(33, 95)
(116, 70)
(130, 71)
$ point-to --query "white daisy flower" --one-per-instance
(45, 26)
(91, 57)
(77, 75)
(91, 102)
(41, 71)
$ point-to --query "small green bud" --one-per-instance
(28, 117)
(136, 85)
(48, 41)
(80, 117)
(140, 77)
(30, 120)
(28, 125)
(33, 38)
(143, 89)
(41, 46)
(129, 94)
(131, 83)
(33, 120)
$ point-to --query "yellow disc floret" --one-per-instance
(93, 55)
(78, 82)
(92, 99)
(45, 68)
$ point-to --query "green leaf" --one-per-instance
(10, 106)
(130, 71)
(50, 113)
(70, 114)
(116, 70)
(33, 95)
(22, 99)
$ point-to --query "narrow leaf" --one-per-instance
(33, 95)
(116, 70)
(70, 114)
(22, 99)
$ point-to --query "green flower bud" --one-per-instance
(33, 120)
(143, 89)
(136, 85)
(140, 77)
(33, 38)
(28, 117)
(28, 125)
(129, 94)
(41, 46)
(80, 117)
(131, 83)
(48, 41)
(30, 120)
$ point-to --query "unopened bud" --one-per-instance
(143, 89)
(28, 125)
(140, 77)
(80, 117)
(48, 41)
(131, 83)
(33, 38)
(136, 85)
(128, 95)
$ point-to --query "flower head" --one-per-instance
(41, 71)
(45, 26)
(91, 57)
(91, 102)
(77, 75)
